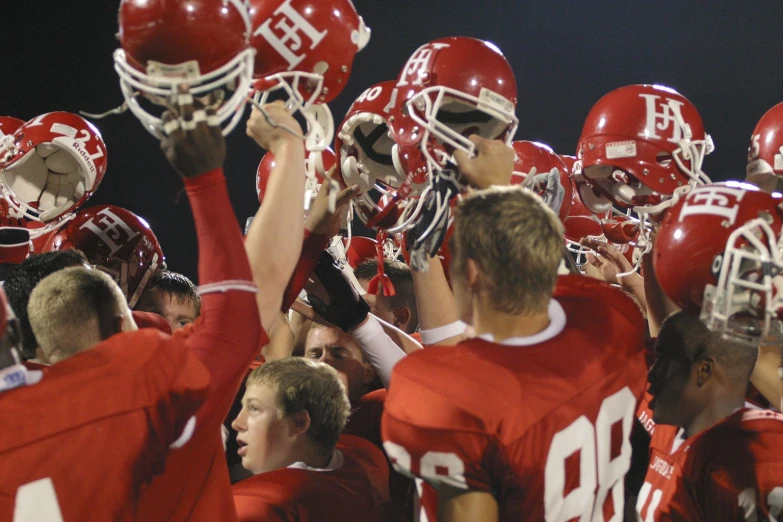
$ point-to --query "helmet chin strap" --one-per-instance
(133, 299)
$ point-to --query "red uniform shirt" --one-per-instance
(353, 492)
(732, 471)
(543, 426)
(96, 428)
(195, 486)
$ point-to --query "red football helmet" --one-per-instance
(639, 144)
(765, 154)
(359, 250)
(203, 44)
(364, 144)
(54, 164)
(717, 251)
(449, 89)
(538, 168)
(305, 48)
(370, 158)
(317, 164)
(116, 241)
(8, 125)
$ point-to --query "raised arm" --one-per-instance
(226, 336)
(274, 241)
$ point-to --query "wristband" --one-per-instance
(441, 333)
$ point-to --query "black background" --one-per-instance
(725, 56)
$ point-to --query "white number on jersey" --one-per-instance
(451, 466)
(37, 501)
(596, 467)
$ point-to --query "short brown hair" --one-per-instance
(300, 385)
(402, 279)
(65, 309)
(517, 243)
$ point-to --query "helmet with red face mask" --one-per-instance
(317, 164)
(305, 50)
(203, 44)
(717, 251)
(765, 154)
(640, 144)
(115, 241)
(538, 168)
(53, 165)
(451, 88)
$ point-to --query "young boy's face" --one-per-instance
(177, 311)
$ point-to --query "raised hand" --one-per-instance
(492, 165)
(194, 142)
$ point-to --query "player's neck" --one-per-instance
(502, 326)
(713, 413)
(310, 456)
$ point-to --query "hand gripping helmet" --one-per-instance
(717, 251)
(305, 49)
(51, 167)
(639, 144)
(115, 241)
(765, 154)
(203, 44)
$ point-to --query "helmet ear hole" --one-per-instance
(664, 159)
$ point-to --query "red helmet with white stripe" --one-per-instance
(717, 251)
(639, 144)
(765, 154)
(53, 165)
(116, 241)
(305, 50)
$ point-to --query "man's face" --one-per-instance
(673, 385)
(177, 312)
(377, 306)
(337, 349)
(264, 438)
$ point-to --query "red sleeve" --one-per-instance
(312, 248)
(226, 338)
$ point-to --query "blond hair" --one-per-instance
(65, 310)
(302, 385)
(517, 243)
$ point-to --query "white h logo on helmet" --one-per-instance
(714, 200)
(289, 25)
(669, 115)
(110, 234)
(418, 63)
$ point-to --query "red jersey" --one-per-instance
(353, 491)
(543, 425)
(97, 427)
(195, 485)
(365, 418)
(732, 471)
(365, 422)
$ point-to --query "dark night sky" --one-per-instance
(726, 56)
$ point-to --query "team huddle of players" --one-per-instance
(528, 337)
